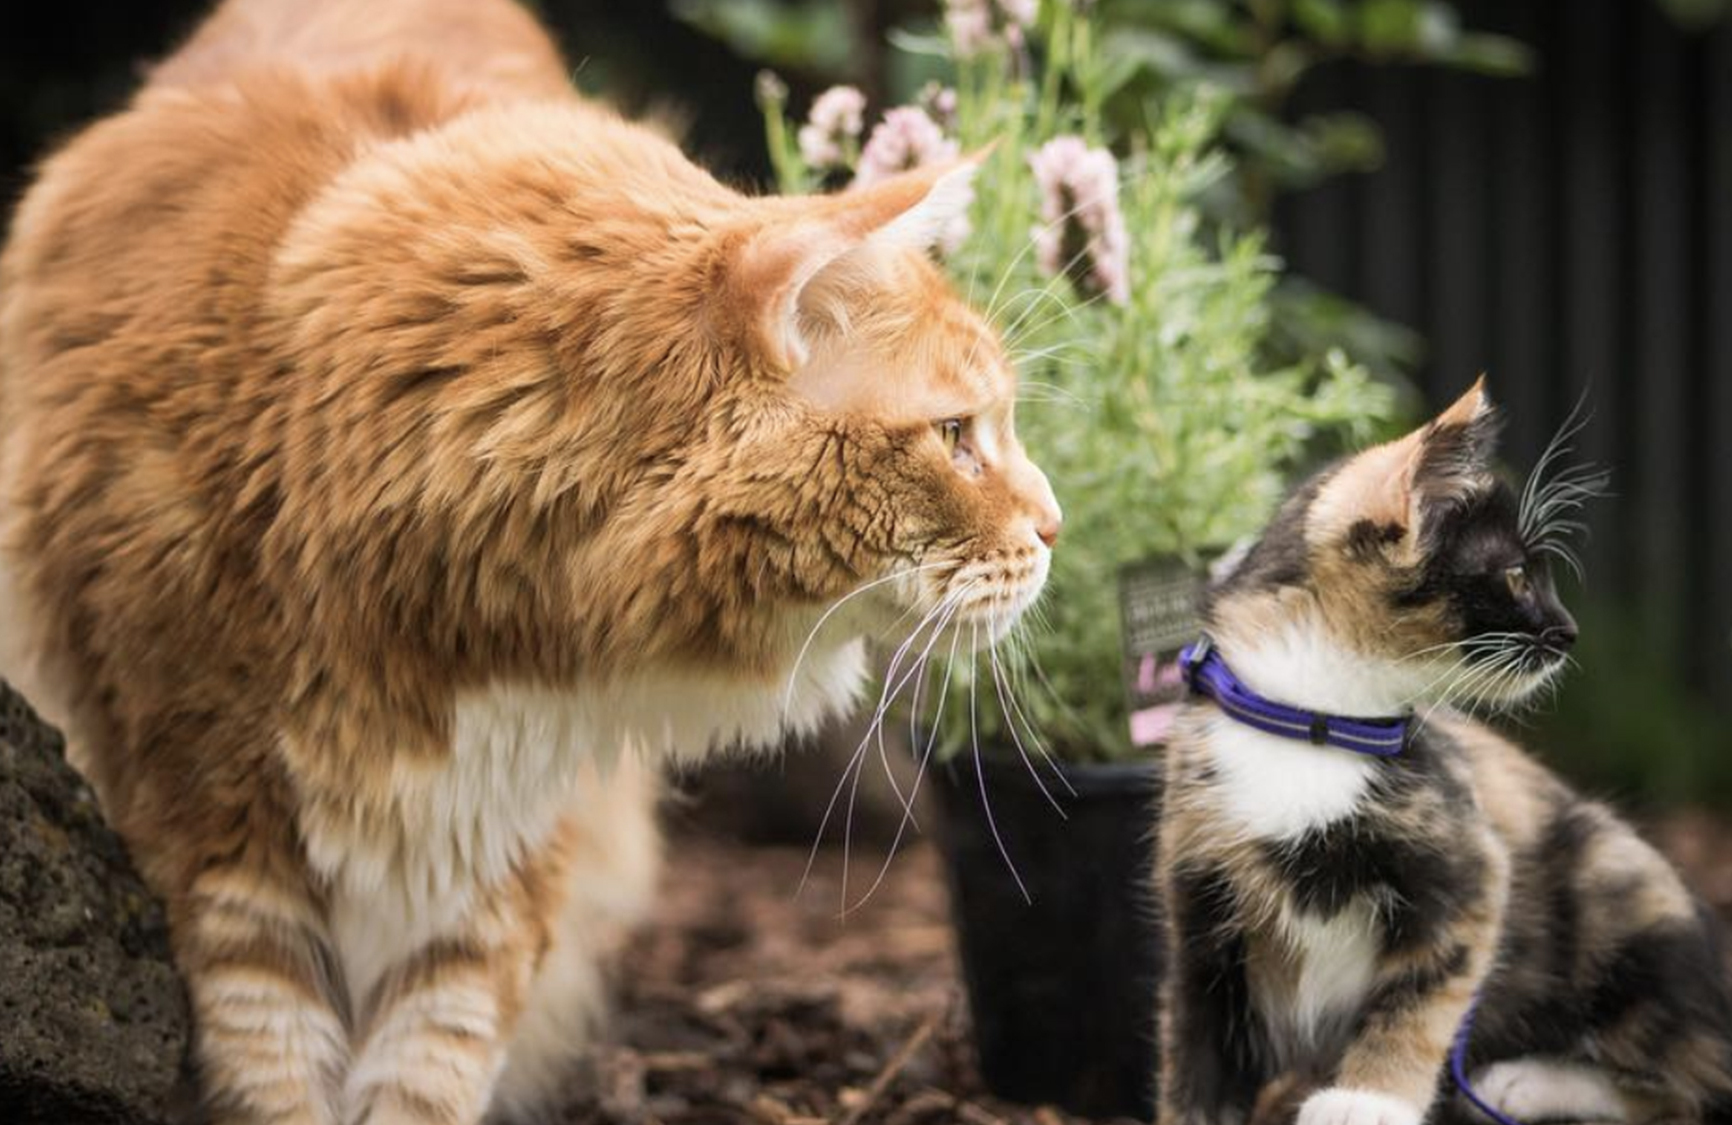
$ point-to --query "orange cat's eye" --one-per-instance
(1516, 578)
(950, 431)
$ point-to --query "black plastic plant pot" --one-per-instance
(1061, 983)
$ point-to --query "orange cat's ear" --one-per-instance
(783, 259)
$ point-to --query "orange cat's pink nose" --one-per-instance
(1048, 531)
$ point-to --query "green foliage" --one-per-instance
(1696, 15)
(808, 34)
(1258, 52)
(1624, 723)
(1161, 423)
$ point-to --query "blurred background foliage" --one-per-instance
(1640, 718)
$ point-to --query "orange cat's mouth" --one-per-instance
(982, 600)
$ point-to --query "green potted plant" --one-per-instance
(1167, 432)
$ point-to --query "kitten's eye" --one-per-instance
(1516, 578)
(950, 432)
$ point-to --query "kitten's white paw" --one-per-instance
(1340, 1105)
(1540, 1089)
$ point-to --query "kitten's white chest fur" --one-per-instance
(1279, 790)
(1330, 964)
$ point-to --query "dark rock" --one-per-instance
(93, 1017)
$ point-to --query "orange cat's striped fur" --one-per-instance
(392, 449)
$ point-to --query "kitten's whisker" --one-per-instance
(1558, 447)
(1545, 515)
(1463, 671)
(1564, 555)
(1477, 639)
(1456, 667)
(1465, 688)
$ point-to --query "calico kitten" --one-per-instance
(1333, 912)
(393, 449)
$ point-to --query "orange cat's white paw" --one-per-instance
(1340, 1105)
(1538, 1089)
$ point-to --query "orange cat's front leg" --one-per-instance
(271, 1039)
(433, 1030)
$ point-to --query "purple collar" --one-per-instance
(1208, 674)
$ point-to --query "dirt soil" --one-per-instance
(747, 1003)
(744, 1003)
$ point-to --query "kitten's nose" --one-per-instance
(1560, 637)
(1047, 529)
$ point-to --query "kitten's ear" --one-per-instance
(784, 259)
(1455, 449)
(1388, 488)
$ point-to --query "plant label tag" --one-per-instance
(1160, 613)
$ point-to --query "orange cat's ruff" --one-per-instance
(392, 449)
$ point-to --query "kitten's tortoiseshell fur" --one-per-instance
(1333, 915)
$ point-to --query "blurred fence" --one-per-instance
(1570, 232)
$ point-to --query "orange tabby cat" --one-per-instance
(394, 449)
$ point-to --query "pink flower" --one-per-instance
(906, 138)
(970, 25)
(836, 119)
(1082, 232)
(939, 102)
(909, 138)
(1021, 13)
(977, 25)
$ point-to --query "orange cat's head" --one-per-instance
(650, 416)
(917, 471)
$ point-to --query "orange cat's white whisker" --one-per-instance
(806, 646)
(907, 819)
(1125, 175)
(1025, 657)
(980, 769)
(924, 757)
(1019, 330)
(851, 771)
(1005, 705)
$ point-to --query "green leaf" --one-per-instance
(1390, 27)
(1344, 141)
(804, 34)
(1696, 15)
(1210, 24)
(1495, 55)
(1171, 59)
(1327, 21)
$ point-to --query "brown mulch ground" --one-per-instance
(746, 1004)
(743, 1003)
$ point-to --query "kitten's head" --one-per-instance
(1407, 573)
(907, 398)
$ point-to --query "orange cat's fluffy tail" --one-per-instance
(494, 44)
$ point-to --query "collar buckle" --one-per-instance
(1192, 658)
